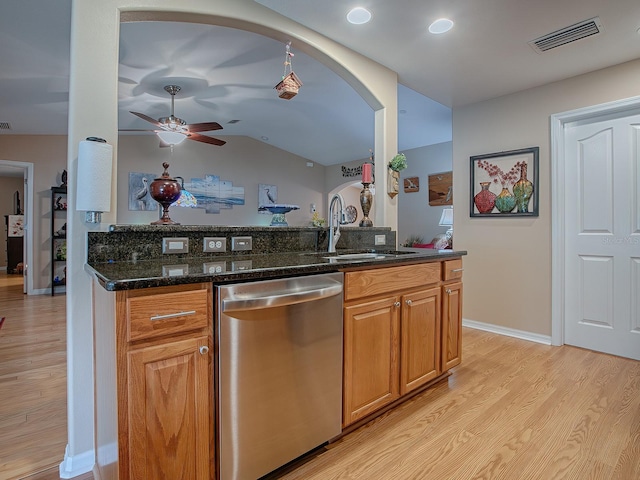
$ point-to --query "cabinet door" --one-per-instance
(169, 424)
(451, 325)
(420, 343)
(370, 357)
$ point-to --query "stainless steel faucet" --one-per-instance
(336, 218)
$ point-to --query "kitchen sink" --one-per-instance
(355, 257)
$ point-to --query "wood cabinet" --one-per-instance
(420, 339)
(165, 387)
(402, 330)
(370, 357)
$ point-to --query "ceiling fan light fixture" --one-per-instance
(358, 16)
(171, 138)
(442, 25)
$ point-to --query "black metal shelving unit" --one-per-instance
(58, 237)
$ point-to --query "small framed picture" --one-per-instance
(505, 184)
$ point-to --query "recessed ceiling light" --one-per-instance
(441, 25)
(358, 15)
(265, 138)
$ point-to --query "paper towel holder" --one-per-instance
(96, 199)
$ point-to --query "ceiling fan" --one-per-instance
(173, 130)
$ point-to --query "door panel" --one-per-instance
(602, 235)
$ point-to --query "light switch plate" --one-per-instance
(214, 244)
(241, 243)
(239, 265)
(174, 270)
(175, 245)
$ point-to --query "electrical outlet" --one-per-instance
(214, 244)
(312, 208)
(241, 243)
(381, 239)
(175, 245)
(214, 267)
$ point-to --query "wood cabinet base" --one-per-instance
(357, 424)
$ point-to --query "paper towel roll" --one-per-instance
(95, 162)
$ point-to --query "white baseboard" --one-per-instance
(3, 269)
(47, 291)
(509, 332)
(73, 466)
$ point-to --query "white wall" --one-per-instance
(508, 269)
(48, 153)
(415, 215)
(242, 160)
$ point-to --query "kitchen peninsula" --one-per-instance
(155, 313)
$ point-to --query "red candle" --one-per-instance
(367, 176)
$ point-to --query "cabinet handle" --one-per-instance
(457, 270)
(172, 315)
(204, 349)
(448, 290)
(408, 302)
(397, 304)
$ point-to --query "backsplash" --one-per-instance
(144, 242)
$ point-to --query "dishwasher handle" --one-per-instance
(279, 300)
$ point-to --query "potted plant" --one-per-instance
(396, 165)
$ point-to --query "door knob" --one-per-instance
(397, 304)
(408, 302)
(204, 349)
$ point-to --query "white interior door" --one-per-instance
(602, 235)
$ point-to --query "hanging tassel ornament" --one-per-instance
(290, 84)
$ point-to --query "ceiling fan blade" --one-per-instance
(204, 139)
(203, 127)
(148, 119)
(133, 130)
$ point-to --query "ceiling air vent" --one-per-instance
(5, 126)
(569, 34)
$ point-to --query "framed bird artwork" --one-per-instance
(267, 195)
(139, 195)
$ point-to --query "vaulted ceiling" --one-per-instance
(229, 74)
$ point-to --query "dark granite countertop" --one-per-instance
(128, 275)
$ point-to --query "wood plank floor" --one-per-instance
(513, 410)
(33, 389)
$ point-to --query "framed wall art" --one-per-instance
(505, 184)
(411, 184)
(441, 189)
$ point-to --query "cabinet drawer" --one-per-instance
(384, 280)
(452, 269)
(172, 311)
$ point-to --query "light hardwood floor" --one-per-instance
(33, 390)
(512, 410)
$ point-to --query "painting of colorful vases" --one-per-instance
(505, 184)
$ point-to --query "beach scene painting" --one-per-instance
(214, 194)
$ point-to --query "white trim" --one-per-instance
(27, 168)
(75, 465)
(558, 122)
(509, 332)
(3, 269)
(47, 291)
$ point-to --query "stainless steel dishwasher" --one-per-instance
(279, 371)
